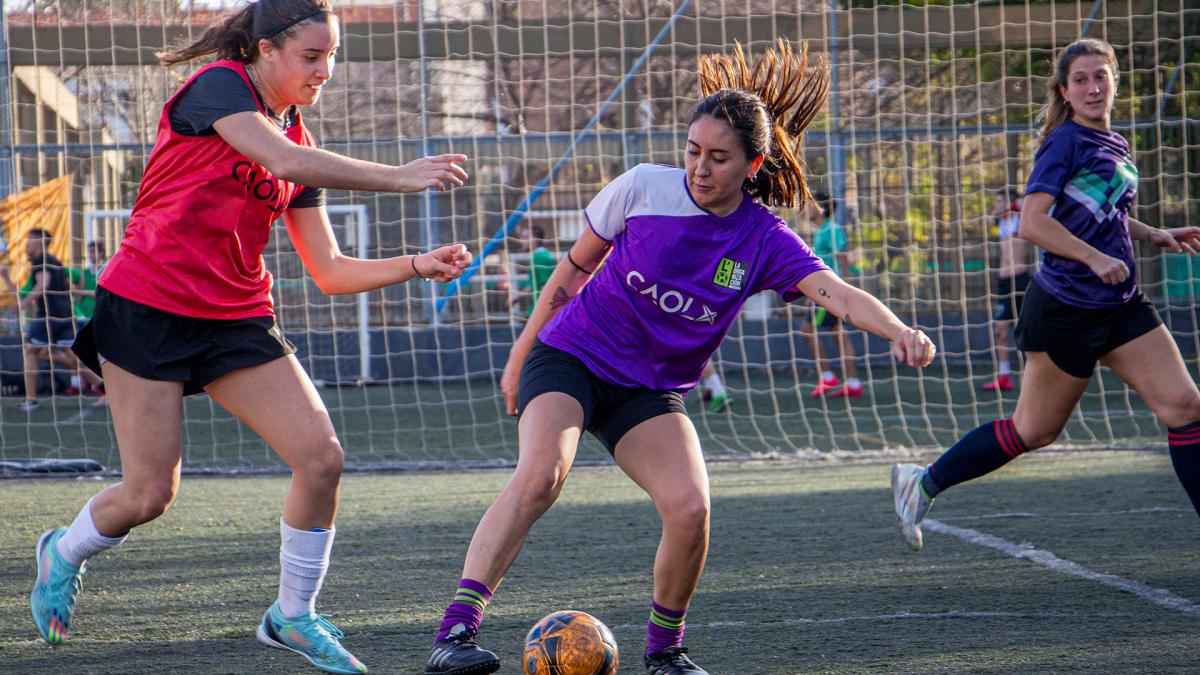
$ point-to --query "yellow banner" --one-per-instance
(47, 206)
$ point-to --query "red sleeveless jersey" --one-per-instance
(201, 221)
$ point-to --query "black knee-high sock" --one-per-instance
(982, 451)
(1185, 456)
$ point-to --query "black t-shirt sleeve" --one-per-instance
(218, 93)
(308, 198)
(215, 93)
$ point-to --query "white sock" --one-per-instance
(827, 376)
(853, 383)
(82, 541)
(303, 562)
(1005, 368)
(714, 384)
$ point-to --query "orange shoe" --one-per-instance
(824, 386)
(1001, 383)
(848, 391)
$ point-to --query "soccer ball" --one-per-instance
(570, 643)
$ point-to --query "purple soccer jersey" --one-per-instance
(1094, 180)
(675, 280)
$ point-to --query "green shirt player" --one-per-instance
(830, 243)
(541, 264)
(83, 282)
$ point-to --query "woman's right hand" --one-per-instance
(439, 172)
(442, 264)
(1109, 269)
(511, 379)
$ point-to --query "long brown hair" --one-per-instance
(1057, 110)
(768, 106)
(236, 37)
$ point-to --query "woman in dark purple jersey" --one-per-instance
(1083, 306)
(612, 351)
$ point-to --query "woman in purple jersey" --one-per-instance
(1083, 305)
(613, 351)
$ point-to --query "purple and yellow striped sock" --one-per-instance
(1184, 443)
(466, 608)
(664, 629)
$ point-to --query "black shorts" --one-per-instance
(41, 332)
(158, 345)
(1074, 337)
(609, 411)
(1011, 291)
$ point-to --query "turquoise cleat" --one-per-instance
(310, 636)
(53, 597)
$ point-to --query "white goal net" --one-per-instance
(931, 115)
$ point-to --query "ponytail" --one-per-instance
(236, 37)
(768, 106)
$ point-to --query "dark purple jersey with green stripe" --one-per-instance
(1093, 179)
(675, 280)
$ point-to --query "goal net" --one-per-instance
(931, 116)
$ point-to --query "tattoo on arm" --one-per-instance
(822, 292)
(561, 298)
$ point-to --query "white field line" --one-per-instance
(87, 411)
(1158, 596)
(1073, 514)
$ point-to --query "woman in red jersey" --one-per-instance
(185, 304)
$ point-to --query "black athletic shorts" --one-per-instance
(1011, 291)
(1074, 337)
(41, 332)
(160, 345)
(609, 411)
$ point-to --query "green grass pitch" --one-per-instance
(806, 572)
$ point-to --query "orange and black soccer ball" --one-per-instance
(570, 643)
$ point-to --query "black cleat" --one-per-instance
(672, 661)
(457, 654)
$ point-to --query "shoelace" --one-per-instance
(323, 622)
(671, 656)
(675, 655)
(329, 647)
(464, 639)
(61, 592)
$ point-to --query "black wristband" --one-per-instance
(576, 265)
(417, 272)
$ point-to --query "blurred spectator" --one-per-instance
(50, 328)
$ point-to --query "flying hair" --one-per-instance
(769, 105)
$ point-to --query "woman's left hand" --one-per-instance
(443, 264)
(1177, 239)
(913, 347)
(438, 172)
